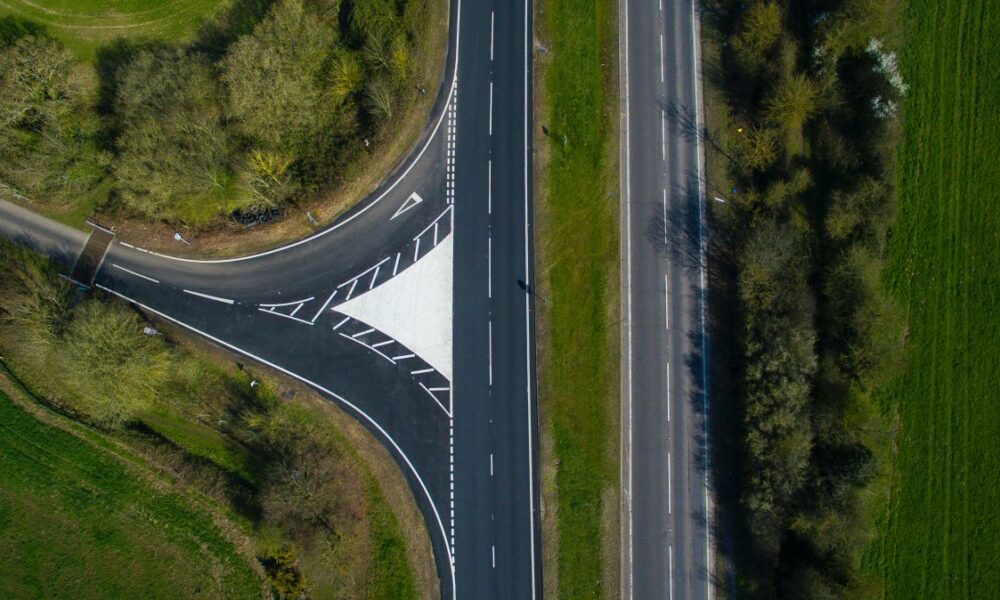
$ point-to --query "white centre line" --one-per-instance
(208, 297)
(491, 352)
(663, 134)
(489, 265)
(491, 108)
(136, 274)
(666, 300)
(670, 555)
(491, 464)
(493, 549)
(489, 187)
(661, 58)
(492, 19)
(668, 391)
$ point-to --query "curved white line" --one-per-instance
(360, 412)
(337, 225)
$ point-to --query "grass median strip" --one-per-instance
(578, 248)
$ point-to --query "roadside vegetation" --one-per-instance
(285, 475)
(264, 105)
(939, 532)
(577, 244)
(804, 103)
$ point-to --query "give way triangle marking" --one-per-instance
(407, 204)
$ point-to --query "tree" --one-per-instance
(47, 133)
(113, 369)
(174, 156)
(791, 103)
(273, 76)
(757, 33)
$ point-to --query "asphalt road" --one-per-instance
(466, 444)
(666, 551)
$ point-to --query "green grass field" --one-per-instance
(75, 523)
(578, 264)
(940, 534)
(83, 25)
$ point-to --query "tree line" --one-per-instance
(812, 93)
(249, 115)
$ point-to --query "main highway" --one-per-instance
(666, 502)
(409, 311)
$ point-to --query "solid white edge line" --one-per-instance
(350, 405)
(209, 297)
(527, 305)
(121, 268)
(626, 433)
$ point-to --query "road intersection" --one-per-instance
(412, 312)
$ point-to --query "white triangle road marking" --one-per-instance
(407, 204)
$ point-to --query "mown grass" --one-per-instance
(940, 533)
(75, 523)
(579, 268)
(85, 25)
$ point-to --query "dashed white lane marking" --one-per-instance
(492, 18)
(666, 301)
(491, 464)
(493, 550)
(489, 187)
(661, 58)
(491, 108)
(491, 351)
(489, 265)
(663, 135)
(209, 297)
(670, 578)
(668, 391)
(140, 275)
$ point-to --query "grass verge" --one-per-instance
(85, 25)
(578, 250)
(77, 522)
(940, 532)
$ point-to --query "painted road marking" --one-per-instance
(209, 297)
(413, 200)
(136, 274)
(339, 325)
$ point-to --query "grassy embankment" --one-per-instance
(304, 487)
(78, 521)
(940, 533)
(578, 271)
(86, 25)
